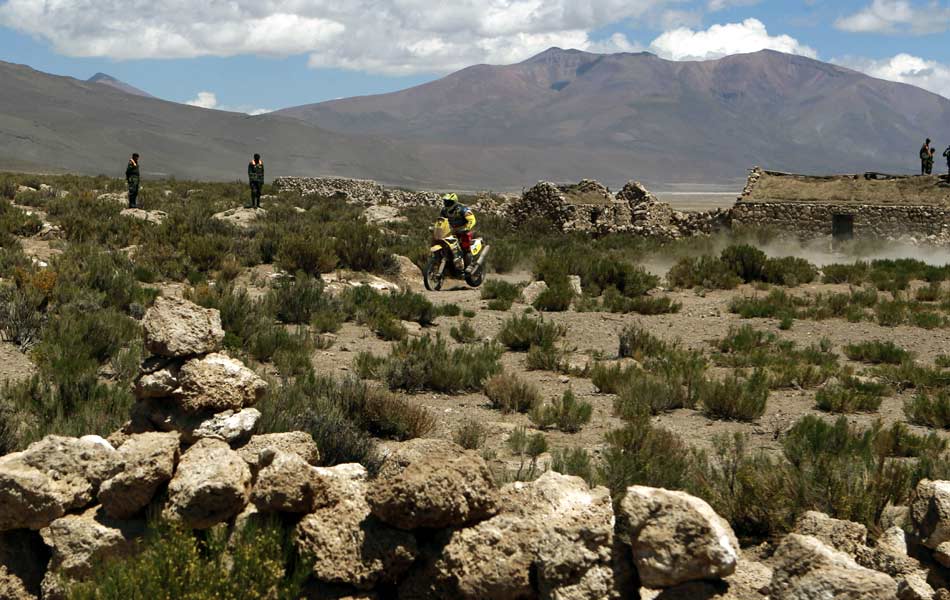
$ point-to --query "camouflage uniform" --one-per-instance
(946, 154)
(132, 178)
(929, 163)
(255, 176)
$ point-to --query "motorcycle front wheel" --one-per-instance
(433, 274)
(475, 278)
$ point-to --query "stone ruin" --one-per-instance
(357, 191)
(589, 207)
(432, 523)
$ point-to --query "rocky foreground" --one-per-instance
(431, 524)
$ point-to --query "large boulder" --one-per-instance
(51, 477)
(804, 568)
(346, 543)
(403, 454)
(845, 536)
(148, 461)
(175, 327)
(441, 491)
(287, 484)
(295, 442)
(930, 512)
(23, 560)
(229, 426)
(211, 485)
(217, 382)
(676, 537)
(554, 539)
(81, 542)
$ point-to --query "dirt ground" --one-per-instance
(701, 321)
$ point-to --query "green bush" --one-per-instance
(929, 410)
(735, 399)
(556, 298)
(519, 333)
(508, 393)
(21, 315)
(841, 399)
(650, 395)
(471, 435)
(173, 563)
(528, 448)
(464, 333)
(611, 378)
(640, 454)
(547, 357)
(636, 342)
(566, 414)
(789, 271)
(575, 462)
(501, 294)
(854, 274)
(297, 300)
(706, 272)
(745, 261)
(298, 252)
(427, 363)
(877, 352)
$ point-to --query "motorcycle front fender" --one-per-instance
(435, 249)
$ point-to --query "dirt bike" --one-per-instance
(447, 260)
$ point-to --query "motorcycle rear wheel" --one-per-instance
(434, 274)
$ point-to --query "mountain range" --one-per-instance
(562, 115)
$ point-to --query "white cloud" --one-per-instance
(717, 5)
(384, 36)
(898, 16)
(904, 68)
(210, 100)
(722, 40)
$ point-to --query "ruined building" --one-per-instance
(843, 207)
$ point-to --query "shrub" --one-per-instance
(567, 414)
(891, 313)
(556, 298)
(841, 399)
(610, 379)
(547, 357)
(426, 363)
(930, 410)
(298, 252)
(745, 261)
(735, 399)
(855, 274)
(471, 435)
(464, 333)
(640, 454)
(500, 293)
(575, 462)
(877, 352)
(706, 272)
(789, 271)
(520, 333)
(256, 562)
(651, 395)
(636, 342)
(528, 449)
(508, 393)
(297, 300)
(21, 315)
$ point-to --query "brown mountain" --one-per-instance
(109, 80)
(658, 120)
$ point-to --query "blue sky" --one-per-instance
(253, 55)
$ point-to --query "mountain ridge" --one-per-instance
(106, 79)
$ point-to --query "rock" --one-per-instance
(148, 461)
(23, 560)
(116, 197)
(156, 217)
(229, 426)
(244, 217)
(81, 542)
(554, 539)
(436, 493)
(175, 327)
(533, 290)
(25, 189)
(338, 282)
(286, 483)
(844, 536)
(675, 537)
(807, 569)
(217, 382)
(575, 283)
(403, 454)
(356, 191)
(162, 383)
(930, 512)
(381, 214)
(296, 442)
(408, 275)
(50, 477)
(347, 543)
(211, 485)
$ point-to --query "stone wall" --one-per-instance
(811, 221)
(357, 191)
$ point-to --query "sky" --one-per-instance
(259, 55)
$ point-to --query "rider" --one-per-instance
(462, 220)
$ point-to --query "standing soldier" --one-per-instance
(132, 178)
(255, 176)
(946, 154)
(930, 161)
(924, 156)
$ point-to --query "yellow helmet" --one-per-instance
(450, 199)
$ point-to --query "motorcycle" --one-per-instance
(447, 260)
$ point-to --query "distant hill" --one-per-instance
(659, 120)
(562, 115)
(119, 85)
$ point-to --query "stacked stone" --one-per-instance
(188, 385)
(356, 191)
(755, 174)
